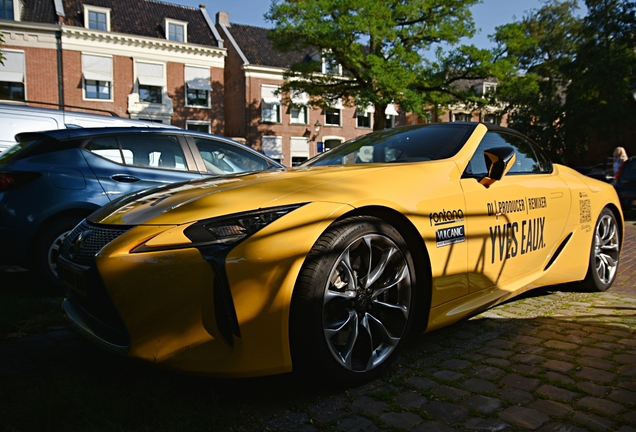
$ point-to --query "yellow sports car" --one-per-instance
(327, 267)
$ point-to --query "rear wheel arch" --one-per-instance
(605, 251)
(78, 213)
(39, 251)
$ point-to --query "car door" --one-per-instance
(514, 225)
(127, 162)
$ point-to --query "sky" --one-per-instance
(486, 15)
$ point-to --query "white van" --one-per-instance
(15, 119)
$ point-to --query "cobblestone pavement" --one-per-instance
(552, 361)
(561, 361)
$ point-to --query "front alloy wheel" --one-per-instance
(352, 306)
(366, 303)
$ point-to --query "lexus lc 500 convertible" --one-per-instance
(327, 267)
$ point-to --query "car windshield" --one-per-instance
(404, 144)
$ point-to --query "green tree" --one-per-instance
(600, 111)
(535, 94)
(572, 89)
(382, 47)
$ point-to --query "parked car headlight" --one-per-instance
(224, 231)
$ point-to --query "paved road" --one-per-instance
(555, 361)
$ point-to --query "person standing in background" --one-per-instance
(620, 156)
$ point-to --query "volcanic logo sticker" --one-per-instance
(449, 236)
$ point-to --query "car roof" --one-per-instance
(63, 134)
(93, 131)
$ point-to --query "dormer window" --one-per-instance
(96, 18)
(176, 30)
(6, 9)
(330, 65)
(485, 88)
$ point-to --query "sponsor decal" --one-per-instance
(498, 208)
(449, 236)
(516, 238)
(446, 217)
(537, 203)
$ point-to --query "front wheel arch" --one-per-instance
(418, 251)
(310, 308)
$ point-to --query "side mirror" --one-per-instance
(499, 160)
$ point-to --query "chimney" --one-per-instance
(223, 18)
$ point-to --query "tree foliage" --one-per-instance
(382, 47)
(571, 93)
(600, 110)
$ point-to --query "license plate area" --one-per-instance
(72, 278)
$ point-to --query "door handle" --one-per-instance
(123, 178)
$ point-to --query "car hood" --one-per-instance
(186, 202)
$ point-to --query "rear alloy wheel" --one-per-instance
(604, 254)
(353, 304)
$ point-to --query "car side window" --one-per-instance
(528, 159)
(153, 151)
(142, 150)
(223, 158)
(106, 147)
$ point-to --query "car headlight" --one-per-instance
(223, 232)
(229, 230)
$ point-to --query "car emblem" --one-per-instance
(77, 244)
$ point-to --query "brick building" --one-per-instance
(255, 112)
(177, 66)
(167, 67)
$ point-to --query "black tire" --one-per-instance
(349, 333)
(46, 249)
(604, 253)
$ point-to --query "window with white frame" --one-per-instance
(330, 65)
(492, 118)
(197, 82)
(96, 18)
(299, 112)
(391, 113)
(151, 81)
(332, 117)
(271, 104)
(197, 125)
(273, 147)
(97, 72)
(12, 74)
(299, 148)
(176, 30)
(482, 89)
(462, 117)
(363, 117)
(6, 9)
(333, 114)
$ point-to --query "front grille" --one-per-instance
(86, 240)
